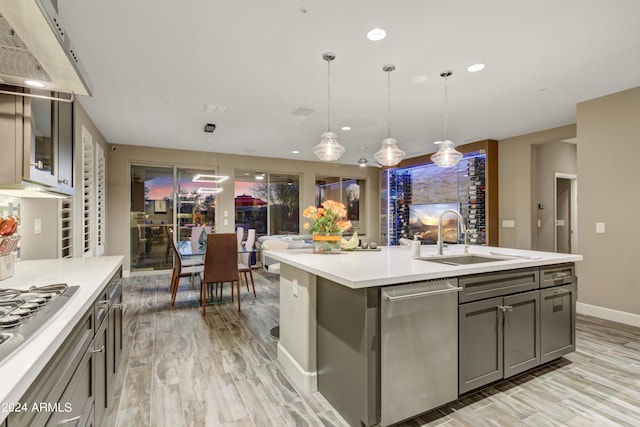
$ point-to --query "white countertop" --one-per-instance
(393, 264)
(18, 371)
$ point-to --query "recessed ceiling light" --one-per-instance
(346, 128)
(475, 67)
(376, 34)
(421, 78)
(33, 83)
(295, 152)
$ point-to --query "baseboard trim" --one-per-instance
(305, 380)
(609, 314)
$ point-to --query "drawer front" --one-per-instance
(53, 380)
(556, 275)
(490, 285)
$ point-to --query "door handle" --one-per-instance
(70, 420)
(425, 294)
(98, 350)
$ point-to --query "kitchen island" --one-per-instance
(332, 320)
(25, 365)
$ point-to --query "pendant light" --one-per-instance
(389, 154)
(329, 149)
(447, 155)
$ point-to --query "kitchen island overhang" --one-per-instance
(312, 290)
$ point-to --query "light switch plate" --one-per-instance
(37, 226)
(600, 227)
(225, 222)
(508, 223)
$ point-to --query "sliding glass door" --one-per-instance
(164, 198)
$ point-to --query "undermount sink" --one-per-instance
(464, 259)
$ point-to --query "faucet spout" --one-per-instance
(464, 229)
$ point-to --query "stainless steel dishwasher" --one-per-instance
(418, 348)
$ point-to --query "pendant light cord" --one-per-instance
(446, 110)
(328, 95)
(389, 103)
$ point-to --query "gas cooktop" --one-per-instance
(24, 312)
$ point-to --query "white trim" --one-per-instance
(305, 380)
(574, 210)
(609, 314)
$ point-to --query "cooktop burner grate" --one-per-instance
(24, 312)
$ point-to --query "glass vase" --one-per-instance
(326, 243)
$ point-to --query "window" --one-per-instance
(268, 202)
(349, 192)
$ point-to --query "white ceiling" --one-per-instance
(155, 65)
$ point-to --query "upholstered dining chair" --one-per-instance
(240, 235)
(244, 266)
(182, 268)
(220, 266)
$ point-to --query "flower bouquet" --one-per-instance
(327, 225)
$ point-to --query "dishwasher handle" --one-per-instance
(425, 294)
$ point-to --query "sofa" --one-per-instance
(294, 241)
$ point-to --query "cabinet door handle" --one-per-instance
(98, 350)
(116, 306)
(38, 164)
(70, 420)
(560, 291)
(561, 275)
(63, 181)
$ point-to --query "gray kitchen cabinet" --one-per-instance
(100, 371)
(69, 369)
(558, 298)
(77, 382)
(37, 137)
(499, 326)
(481, 343)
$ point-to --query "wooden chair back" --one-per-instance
(221, 259)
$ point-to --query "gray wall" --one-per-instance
(550, 158)
(608, 153)
(119, 163)
(518, 184)
(45, 244)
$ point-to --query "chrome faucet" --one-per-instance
(464, 230)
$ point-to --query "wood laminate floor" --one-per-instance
(180, 369)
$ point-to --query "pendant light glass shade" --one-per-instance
(389, 154)
(447, 155)
(328, 149)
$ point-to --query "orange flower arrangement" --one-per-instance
(328, 219)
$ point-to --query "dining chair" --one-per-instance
(240, 236)
(220, 266)
(142, 243)
(182, 268)
(244, 266)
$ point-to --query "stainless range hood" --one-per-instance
(35, 46)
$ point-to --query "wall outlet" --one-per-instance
(539, 223)
(226, 214)
(560, 223)
(508, 223)
(600, 227)
(294, 287)
(37, 226)
(225, 222)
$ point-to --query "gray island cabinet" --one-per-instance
(385, 337)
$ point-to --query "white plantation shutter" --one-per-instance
(66, 228)
(87, 193)
(101, 182)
